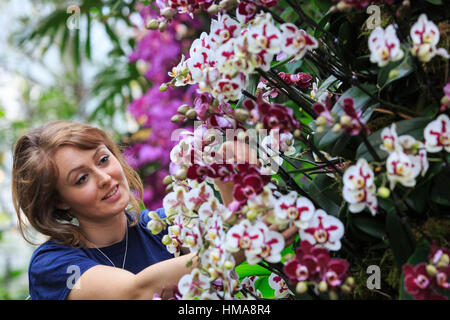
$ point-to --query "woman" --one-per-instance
(74, 186)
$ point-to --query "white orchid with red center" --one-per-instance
(248, 283)
(270, 248)
(359, 187)
(224, 29)
(323, 231)
(181, 73)
(296, 42)
(234, 57)
(201, 57)
(384, 46)
(244, 236)
(425, 36)
(263, 35)
(437, 134)
(174, 202)
(403, 169)
(192, 234)
(198, 195)
(291, 208)
(281, 289)
(212, 208)
(214, 230)
(407, 144)
(194, 285)
(230, 88)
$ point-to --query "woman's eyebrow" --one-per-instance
(82, 166)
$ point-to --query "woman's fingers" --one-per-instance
(289, 235)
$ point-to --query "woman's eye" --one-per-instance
(104, 159)
(82, 179)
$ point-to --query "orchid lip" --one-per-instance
(111, 192)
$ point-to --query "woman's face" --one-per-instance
(91, 182)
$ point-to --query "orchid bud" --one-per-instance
(176, 118)
(443, 261)
(301, 287)
(180, 174)
(288, 256)
(155, 226)
(321, 121)
(191, 114)
(346, 289)
(252, 214)
(153, 215)
(227, 4)
(166, 240)
(297, 133)
(214, 9)
(431, 270)
(323, 287)
(393, 74)
(241, 114)
(228, 265)
(168, 13)
(345, 120)
(183, 109)
(350, 281)
(162, 26)
(152, 24)
(169, 188)
(319, 130)
(336, 128)
(333, 295)
(383, 192)
(168, 179)
(163, 87)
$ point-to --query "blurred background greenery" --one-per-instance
(59, 61)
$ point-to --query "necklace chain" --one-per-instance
(124, 256)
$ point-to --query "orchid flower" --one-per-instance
(425, 36)
(437, 134)
(323, 231)
(296, 42)
(359, 187)
(299, 210)
(384, 46)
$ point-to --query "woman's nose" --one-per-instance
(104, 179)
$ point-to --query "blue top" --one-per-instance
(54, 268)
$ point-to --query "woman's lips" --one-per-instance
(114, 196)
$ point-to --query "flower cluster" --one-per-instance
(314, 267)
(350, 122)
(221, 61)
(428, 280)
(385, 47)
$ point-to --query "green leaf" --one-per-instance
(440, 191)
(370, 226)
(262, 284)
(323, 190)
(400, 239)
(395, 71)
(247, 270)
